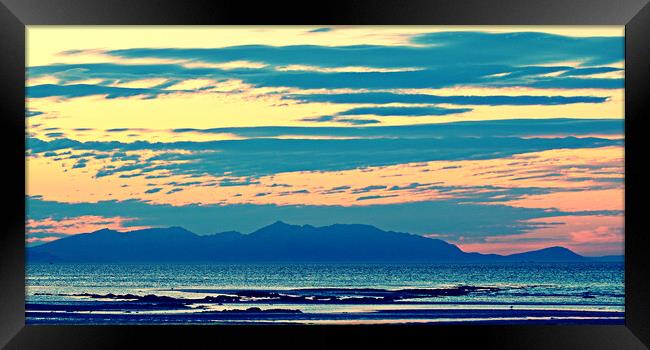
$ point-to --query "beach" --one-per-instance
(322, 293)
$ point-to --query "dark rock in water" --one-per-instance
(282, 311)
(151, 298)
(256, 310)
(350, 296)
(588, 295)
(220, 299)
(457, 291)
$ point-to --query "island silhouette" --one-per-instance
(278, 242)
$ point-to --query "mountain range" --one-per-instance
(278, 242)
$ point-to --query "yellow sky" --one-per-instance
(233, 103)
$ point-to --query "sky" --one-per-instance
(498, 139)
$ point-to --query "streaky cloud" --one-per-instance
(321, 30)
(81, 90)
(387, 97)
(433, 49)
(442, 59)
(404, 111)
(30, 113)
(357, 121)
(331, 118)
(509, 127)
(524, 46)
(590, 71)
(577, 83)
(251, 157)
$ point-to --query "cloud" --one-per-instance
(236, 182)
(35, 240)
(331, 118)
(590, 71)
(368, 189)
(575, 83)
(323, 118)
(337, 189)
(404, 111)
(387, 97)
(185, 184)
(321, 30)
(251, 157)
(433, 50)
(494, 128)
(54, 134)
(30, 113)
(81, 163)
(438, 77)
(61, 226)
(357, 121)
(407, 187)
(442, 60)
(523, 47)
(81, 90)
(50, 229)
(364, 198)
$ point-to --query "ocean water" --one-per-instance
(325, 293)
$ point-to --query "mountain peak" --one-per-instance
(554, 249)
(162, 233)
(554, 253)
(104, 231)
(179, 229)
(279, 223)
(277, 227)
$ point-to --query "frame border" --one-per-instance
(15, 15)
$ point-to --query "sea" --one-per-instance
(325, 293)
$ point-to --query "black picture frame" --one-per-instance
(15, 15)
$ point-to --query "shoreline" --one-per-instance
(285, 316)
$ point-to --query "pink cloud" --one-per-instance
(78, 225)
(43, 239)
(590, 235)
